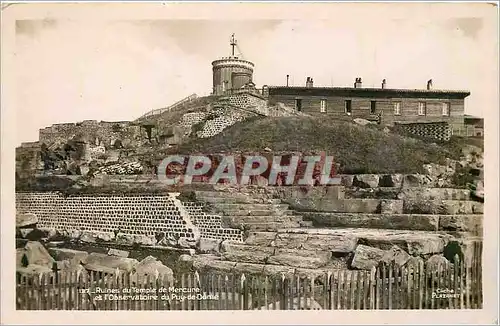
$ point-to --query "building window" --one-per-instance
(421, 108)
(397, 108)
(446, 109)
(323, 106)
(298, 104)
(373, 107)
(348, 107)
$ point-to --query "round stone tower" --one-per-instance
(231, 72)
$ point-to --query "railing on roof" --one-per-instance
(176, 104)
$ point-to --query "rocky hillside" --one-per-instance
(358, 149)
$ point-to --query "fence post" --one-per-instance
(332, 293)
(372, 287)
(244, 291)
(312, 296)
(390, 280)
(284, 289)
(275, 291)
(266, 285)
(421, 280)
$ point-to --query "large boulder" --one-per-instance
(245, 253)
(396, 255)
(118, 253)
(209, 245)
(109, 264)
(26, 220)
(435, 262)
(362, 122)
(366, 257)
(300, 258)
(35, 254)
(75, 256)
(153, 267)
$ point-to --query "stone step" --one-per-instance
(212, 262)
(423, 193)
(251, 206)
(306, 224)
(229, 200)
(435, 193)
(335, 243)
(226, 194)
(255, 212)
(261, 218)
(265, 225)
(299, 258)
(424, 222)
(444, 207)
(414, 242)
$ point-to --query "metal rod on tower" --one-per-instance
(233, 44)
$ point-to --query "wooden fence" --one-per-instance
(445, 286)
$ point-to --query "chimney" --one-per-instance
(429, 84)
(383, 83)
(358, 83)
(309, 82)
(287, 78)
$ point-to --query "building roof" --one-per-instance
(366, 92)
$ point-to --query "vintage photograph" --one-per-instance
(252, 164)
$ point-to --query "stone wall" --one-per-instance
(226, 117)
(144, 215)
(433, 130)
(211, 225)
(101, 133)
(141, 215)
(250, 101)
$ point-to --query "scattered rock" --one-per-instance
(367, 257)
(125, 239)
(152, 266)
(36, 254)
(435, 262)
(26, 220)
(118, 253)
(109, 264)
(209, 245)
(75, 256)
(396, 255)
(87, 236)
(362, 122)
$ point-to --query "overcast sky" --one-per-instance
(70, 71)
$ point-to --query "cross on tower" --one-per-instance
(233, 44)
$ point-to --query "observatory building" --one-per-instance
(231, 73)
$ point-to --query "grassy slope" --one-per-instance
(358, 149)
